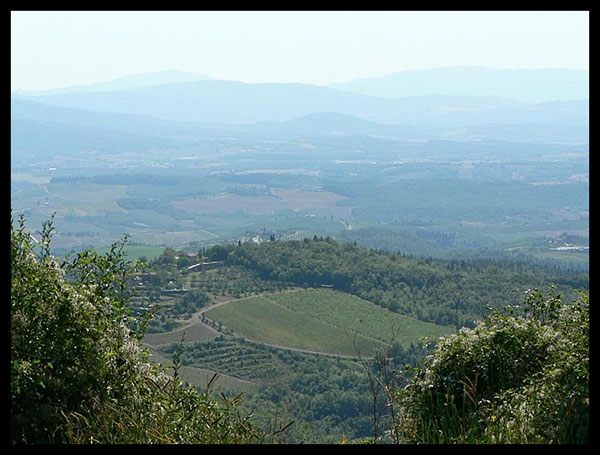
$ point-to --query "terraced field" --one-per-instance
(192, 333)
(201, 377)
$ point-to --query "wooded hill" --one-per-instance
(447, 292)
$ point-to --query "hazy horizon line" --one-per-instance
(325, 84)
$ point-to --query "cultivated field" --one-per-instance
(321, 203)
(200, 377)
(320, 320)
(357, 315)
(260, 319)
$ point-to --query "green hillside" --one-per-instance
(357, 315)
(444, 292)
(322, 320)
(261, 319)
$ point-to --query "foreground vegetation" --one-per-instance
(514, 379)
(79, 373)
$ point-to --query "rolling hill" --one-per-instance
(529, 85)
(215, 101)
(123, 83)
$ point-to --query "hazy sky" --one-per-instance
(55, 49)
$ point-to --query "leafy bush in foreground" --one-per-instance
(78, 372)
(512, 379)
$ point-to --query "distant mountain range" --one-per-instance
(216, 101)
(40, 129)
(528, 85)
(123, 83)
(173, 109)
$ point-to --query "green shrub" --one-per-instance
(78, 371)
(512, 379)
